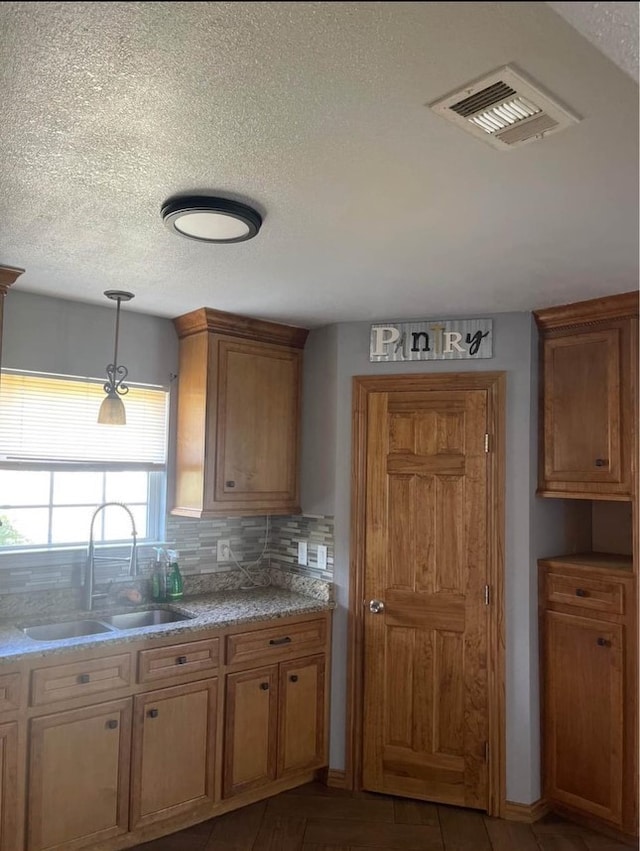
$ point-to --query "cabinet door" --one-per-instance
(257, 438)
(173, 751)
(251, 728)
(301, 714)
(583, 706)
(8, 786)
(79, 777)
(583, 409)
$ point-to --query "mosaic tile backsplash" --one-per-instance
(196, 543)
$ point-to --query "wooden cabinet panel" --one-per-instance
(10, 692)
(583, 407)
(251, 727)
(238, 415)
(10, 805)
(79, 777)
(80, 679)
(301, 715)
(586, 593)
(275, 643)
(583, 711)
(166, 663)
(173, 752)
(258, 389)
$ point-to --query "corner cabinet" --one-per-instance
(238, 415)
(589, 354)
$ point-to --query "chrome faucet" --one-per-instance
(89, 579)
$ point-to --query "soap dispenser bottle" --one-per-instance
(174, 580)
(159, 578)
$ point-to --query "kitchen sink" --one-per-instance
(67, 629)
(152, 617)
(107, 623)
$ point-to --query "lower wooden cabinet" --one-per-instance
(583, 708)
(79, 777)
(173, 751)
(275, 723)
(589, 690)
(9, 806)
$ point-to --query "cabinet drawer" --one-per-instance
(80, 679)
(597, 595)
(277, 642)
(165, 663)
(10, 692)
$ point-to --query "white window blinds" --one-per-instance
(54, 419)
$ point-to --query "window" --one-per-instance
(57, 464)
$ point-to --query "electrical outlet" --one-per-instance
(302, 552)
(224, 550)
(322, 557)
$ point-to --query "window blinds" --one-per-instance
(54, 419)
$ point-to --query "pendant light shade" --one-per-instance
(112, 411)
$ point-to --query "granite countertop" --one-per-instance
(207, 611)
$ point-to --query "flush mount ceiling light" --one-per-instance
(112, 410)
(208, 219)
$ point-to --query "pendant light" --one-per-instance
(112, 410)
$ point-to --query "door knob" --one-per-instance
(376, 606)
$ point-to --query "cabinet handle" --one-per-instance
(84, 678)
(293, 678)
(152, 713)
(285, 640)
(230, 484)
(112, 724)
(580, 592)
(603, 642)
(181, 660)
(264, 686)
(602, 462)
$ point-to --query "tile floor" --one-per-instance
(314, 818)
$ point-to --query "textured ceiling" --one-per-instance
(374, 206)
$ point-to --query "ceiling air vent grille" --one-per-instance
(505, 109)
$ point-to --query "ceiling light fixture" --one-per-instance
(112, 410)
(208, 219)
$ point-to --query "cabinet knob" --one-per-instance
(264, 686)
(84, 678)
(152, 713)
(293, 678)
(602, 462)
(112, 724)
(230, 484)
(580, 592)
(181, 660)
(284, 640)
(603, 642)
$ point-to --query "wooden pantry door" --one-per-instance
(426, 503)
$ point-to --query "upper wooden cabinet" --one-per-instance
(589, 375)
(238, 415)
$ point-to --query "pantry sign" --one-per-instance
(438, 339)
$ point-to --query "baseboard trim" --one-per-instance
(528, 813)
(336, 778)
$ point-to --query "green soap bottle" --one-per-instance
(174, 580)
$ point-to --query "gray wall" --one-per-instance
(514, 347)
(45, 334)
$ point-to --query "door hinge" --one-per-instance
(486, 751)
(487, 595)
(487, 437)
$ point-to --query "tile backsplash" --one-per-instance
(196, 543)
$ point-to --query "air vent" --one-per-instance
(506, 109)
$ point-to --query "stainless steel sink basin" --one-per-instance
(68, 629)
(152, 617)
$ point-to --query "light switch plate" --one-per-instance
(302, 552)
(322, 557)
